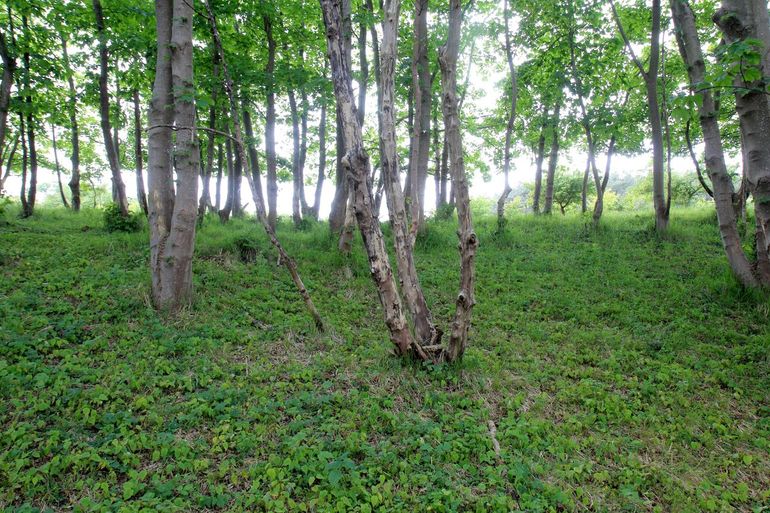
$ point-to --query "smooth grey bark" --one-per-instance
(173, 212)
(227, 208)
(205, 199)
(650, 76)
(723, 190)
(74, 182)
(220, 166)
(262, 216)
(321, 163)
(468, 241)
(553, 159)
(271, 176)
(425, 330)
(511, 117)
(110, 148)
(28, 203)
(297, 185)
(741, 20)
(421, 88)
(356, 163)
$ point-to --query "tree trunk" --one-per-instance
(24, 164)
(692, 55)
(304, 113)
(321, 163)
(9, 68)
(650, 77)
(251, 144)
(74, 183)
(425, 331)
(552, 161)
(741, 20)
(285, 259)
(141, 195)
(356, 163)
(511, 118)
(458, 338)
(9, 162)
(29, 203)
(205, 199)
(421, 85)
(224, 214)
(297, 185)
(220, 166)
(584, 192)
(539, 165)
(58, 167)
(104, 112)
(272, 178)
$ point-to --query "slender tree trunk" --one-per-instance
(304, 113)
(104, 111)
(297, 185)
(651, 87)
(237, 180)
(224, 214)
(58, 167)
(321, 162)
(511, 118)
(220, 166)
(741, 20)
(24, 164)
(141, 195)
(458, 338)
(29, 204)
(540, 156)
(74, 183)
(9, 68)
(421, 87)
(272, 178)
(356, 163)
(205, 200)
(256, 174)
(584, 192)
(9, 162)
(552, 160)
(285, 259)
(425, 331)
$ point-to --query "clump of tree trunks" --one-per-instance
(425, 342)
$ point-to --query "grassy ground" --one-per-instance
(623, 372)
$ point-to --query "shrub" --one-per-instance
(115, 221)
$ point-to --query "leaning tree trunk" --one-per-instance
(458, 338)
(262, 216)
(356, 163)
(511, 118)
(403, 238)
(104, 112)
(74, 183)
(173, 213)
(742, 20)
(692, 55)
(272, 179)
(553, 159)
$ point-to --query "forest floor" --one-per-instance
(622, 371)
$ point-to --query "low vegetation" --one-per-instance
(618, 370)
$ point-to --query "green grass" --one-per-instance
(623, 371)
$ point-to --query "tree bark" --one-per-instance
(692, 55)
(321, 163)
(9, 68)
(458, 338)
(272, 178)
(511, 117)
(29, 203)
(104, 112)
(285, 259)
(205, 199)
(421, 85)
(256, 174)
(74, 183)
(227, 208)
(552, 160)
(403, 238)
(356, 163)
(297, 185)
(650, 77)
(540, 156)
(8, 156)
(741, 20)
(58, 167)
(220, 166)
(141, 195)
